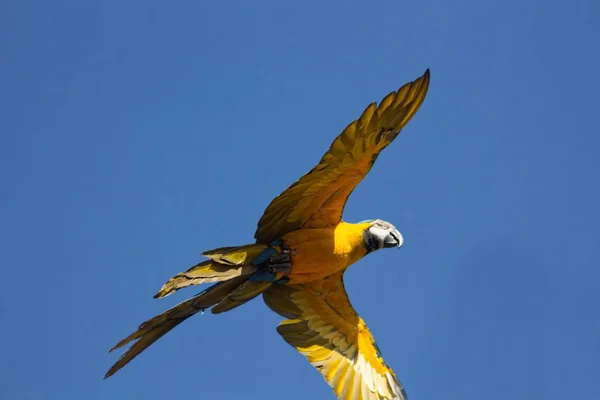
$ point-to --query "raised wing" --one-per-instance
(325, 328)
(317, 199)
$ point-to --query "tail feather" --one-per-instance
(225, 263)
(249, 290)
(243, 294)
(153, 329)
(227, 304)
(241, 255)
(231, 267)
(205, 272)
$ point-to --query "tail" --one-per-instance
(232, 267)
(225, 263)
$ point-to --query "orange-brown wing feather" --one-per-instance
(325, 328)
(317, 199)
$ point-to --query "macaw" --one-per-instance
(302, 249)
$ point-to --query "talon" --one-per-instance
(283, 267)
(279, 259)
(279, 262)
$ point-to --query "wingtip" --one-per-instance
(424, 80)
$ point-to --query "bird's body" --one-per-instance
(302, 249)
(320, 252)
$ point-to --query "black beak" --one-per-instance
(394, 239)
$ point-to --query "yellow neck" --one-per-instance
(349, 240)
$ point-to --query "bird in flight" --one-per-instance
(302, 249)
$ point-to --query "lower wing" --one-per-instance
(324, 327)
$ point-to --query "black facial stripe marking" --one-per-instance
(370, 241)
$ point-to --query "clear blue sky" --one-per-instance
(135, 135)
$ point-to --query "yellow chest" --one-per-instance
(317, 253)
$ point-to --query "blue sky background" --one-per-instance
(134, 135)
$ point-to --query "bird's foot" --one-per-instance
(279, 262)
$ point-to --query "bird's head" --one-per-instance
(381, 234)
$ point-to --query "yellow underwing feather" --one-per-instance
(317, 199)
(280, 301)
(335, 340)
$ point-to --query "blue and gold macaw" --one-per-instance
(302, 249)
